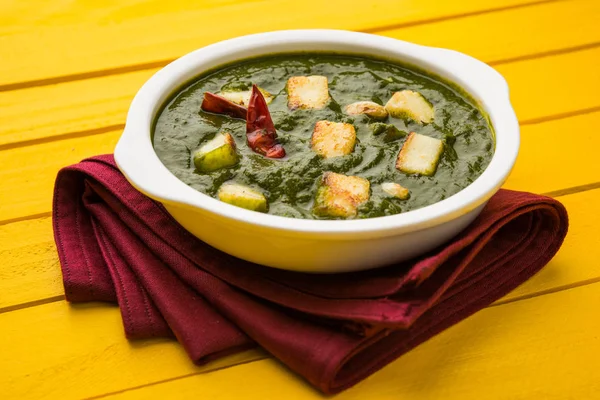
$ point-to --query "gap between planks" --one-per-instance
(34, 303)
(160, 63)
(63, 136)
(557, 289)
(159, 382)
(458, 16)
(556, 52)
(25, 218)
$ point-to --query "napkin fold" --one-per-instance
(117, 245)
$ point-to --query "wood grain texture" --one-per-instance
(83, 105)
(533, 349)
(125, 33)
(71, 352)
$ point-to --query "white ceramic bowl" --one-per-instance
(316, 245)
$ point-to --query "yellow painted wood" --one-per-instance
(534, 30)
(71, 352)
(550, 160)
(30, 268)
(543, 348)
(48, 111)
(123, 33)
(28, 173)
(554, 85)
(27, 114)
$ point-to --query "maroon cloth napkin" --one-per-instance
(117, 245)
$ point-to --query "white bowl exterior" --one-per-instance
(335, 245)
(312, 253)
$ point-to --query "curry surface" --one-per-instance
(290, 184)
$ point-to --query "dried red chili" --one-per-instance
(260, 131)
(220, 105)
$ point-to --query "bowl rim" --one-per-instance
(137, 160)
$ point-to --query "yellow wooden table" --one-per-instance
(68, 70)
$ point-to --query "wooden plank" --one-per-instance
(71, 352)
(47, 112)
(543, 348)
(30, 268)
(549, 162)
(550, 86)
(28, 114)
(134, 32)
(486, 36)
(28, 184)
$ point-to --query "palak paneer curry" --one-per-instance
(323, 136)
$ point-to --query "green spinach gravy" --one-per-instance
(291, 184)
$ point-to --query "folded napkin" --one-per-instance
(117, 245)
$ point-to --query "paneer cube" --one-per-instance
(340, 195)
(243, 97)
(409, 104)
(420, 154)
(369, 108)
(242, 196)
(220, 152)
(333, 139)
(396, 190)
(307, 92)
